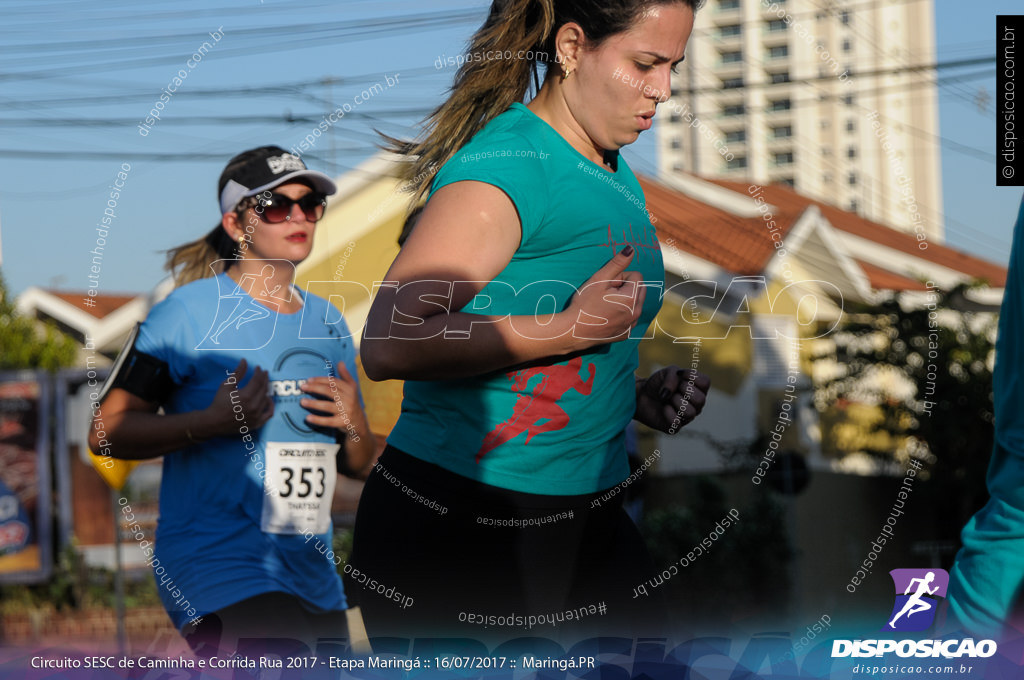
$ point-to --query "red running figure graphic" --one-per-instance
(541, 404)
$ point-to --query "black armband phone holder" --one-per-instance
(139, 373)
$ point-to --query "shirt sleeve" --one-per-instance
(510, 162)
(167, 335)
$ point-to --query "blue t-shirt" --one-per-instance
(556, 428)
(209, 538)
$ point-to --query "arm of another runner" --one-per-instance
(135, 431)
(468, 232)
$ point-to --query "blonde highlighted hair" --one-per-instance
(206, 256)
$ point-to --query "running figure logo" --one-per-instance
(236, 308)
(915, 611)
(541, 404)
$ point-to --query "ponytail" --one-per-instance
(201, 258)
(483, 88)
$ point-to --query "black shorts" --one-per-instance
(438, 554)
(268, 623)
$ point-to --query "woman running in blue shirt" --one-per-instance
(261, 411)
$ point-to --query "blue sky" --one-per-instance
(76, 79)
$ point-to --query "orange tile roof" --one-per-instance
(883, 279)
(741, 245)
(787, 200)
(105, 304)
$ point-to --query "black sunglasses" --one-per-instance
(277, 208)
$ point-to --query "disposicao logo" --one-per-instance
(917, 593)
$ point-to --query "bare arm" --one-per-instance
(469, 232)
(135, 431)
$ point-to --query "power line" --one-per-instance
(345, 30)
(291, 119)
(918, 68)
(795, 103)
(145, 93)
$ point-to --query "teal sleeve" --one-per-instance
(985, 580)
(509, 162)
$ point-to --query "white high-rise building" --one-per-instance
(834, 97)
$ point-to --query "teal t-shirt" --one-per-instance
(987, 578)
(556, 428)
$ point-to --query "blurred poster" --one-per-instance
(24, 478)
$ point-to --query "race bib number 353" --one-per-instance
(299, 487)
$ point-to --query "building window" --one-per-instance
(851, 152)
(675, 118)
(732, 83)
(733, 110)
(827, 178)
(677, 143)
(732, 57)
(780, 105)
(782, 131)
(851, 179)
(784, 158)
(776, 25)
(852, 205)
(737, 163)
(826, 151)
(847, 45)
(844, 18)
(778, 51)
(730, 31)
(851, 125)
(726, 5)
(848, 100)
(677, 167)
(824, 124)
(780, 77)
(789, 181)
(736, 137)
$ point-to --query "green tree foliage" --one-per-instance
(74, 586)
(24, 344)
(943, 358)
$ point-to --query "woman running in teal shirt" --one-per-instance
(514, 313)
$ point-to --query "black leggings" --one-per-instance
(268, 622)
(432, 557)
